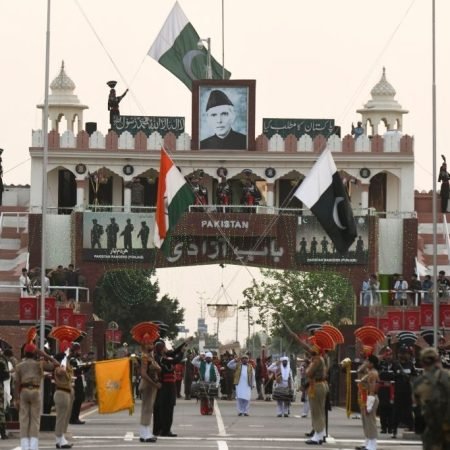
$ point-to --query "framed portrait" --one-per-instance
(223, 114)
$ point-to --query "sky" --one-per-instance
(310, 59)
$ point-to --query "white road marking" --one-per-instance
(256, 426)
(185, 425)
(222, 445)
(88, 413)
(129, 436)
(220, 424)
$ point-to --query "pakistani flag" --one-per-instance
(176, 48)
(173, 199)
(323, 192)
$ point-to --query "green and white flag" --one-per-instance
(176, 48)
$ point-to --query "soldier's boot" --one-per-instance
(25, 443)
(3, 431)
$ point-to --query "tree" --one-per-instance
(130, 296)
(300, 298)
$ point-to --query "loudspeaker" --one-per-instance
(91, 127)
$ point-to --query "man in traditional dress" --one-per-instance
(283, 379)
(209, 374)
(244, 381)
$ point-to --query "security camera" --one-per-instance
(200, 45)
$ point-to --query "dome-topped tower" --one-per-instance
(383, 107)
(63, 102)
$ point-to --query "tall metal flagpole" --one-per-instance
(223, 40)
(44, 181)
(435, 290)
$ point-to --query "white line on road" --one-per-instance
(129, 436)
(222, 445)
(220, 424)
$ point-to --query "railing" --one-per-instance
(36, 291)
(18, 214)
(401, 298)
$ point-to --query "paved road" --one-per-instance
(262, 430)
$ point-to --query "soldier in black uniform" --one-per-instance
(96, 233)
(126, 233)
(386, 391)
(405, 372)
(111, 234)
(143, 234)
(78, 370)
(166, 396)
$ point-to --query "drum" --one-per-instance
(284, 394)
(202, 389)
(213, 390)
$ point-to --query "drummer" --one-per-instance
(284, 385)
(208, 373)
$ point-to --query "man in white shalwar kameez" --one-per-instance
(283, 378)
(244, 381)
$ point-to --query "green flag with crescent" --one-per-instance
(176, 48)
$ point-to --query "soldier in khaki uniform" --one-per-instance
(29, 374)
(432, 395)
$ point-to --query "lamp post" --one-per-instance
(200, 45)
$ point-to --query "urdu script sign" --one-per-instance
(298, 127)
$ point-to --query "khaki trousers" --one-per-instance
(369, 421)
(317, 405)
(63, 407)
(148, 394)
(30, 412)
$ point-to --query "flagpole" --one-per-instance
(44, 180)
(434, 205)
(223, 40)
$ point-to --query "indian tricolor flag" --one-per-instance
(176, 48)
(174, 198)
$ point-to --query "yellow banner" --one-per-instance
(113, 385)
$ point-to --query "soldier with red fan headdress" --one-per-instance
(146, 333)
(316, 375)
(63, 396)
(29, 374)
(368, 382)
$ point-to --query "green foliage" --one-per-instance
(300, 298)
(130, 296)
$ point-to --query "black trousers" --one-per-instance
(385, 411)
(163, 410)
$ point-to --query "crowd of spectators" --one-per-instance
(60, 282)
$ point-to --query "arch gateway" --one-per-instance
(99, 178)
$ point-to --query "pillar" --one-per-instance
(364, 196)
(127, 197)
(270, 194)
(81, 185)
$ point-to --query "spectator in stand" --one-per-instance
(400, 288)
(71, 280)
(58, 276)
(374, 286)
(415, 286)
(443, 284)
(25, 283)
(427, 285)
(366, 297)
